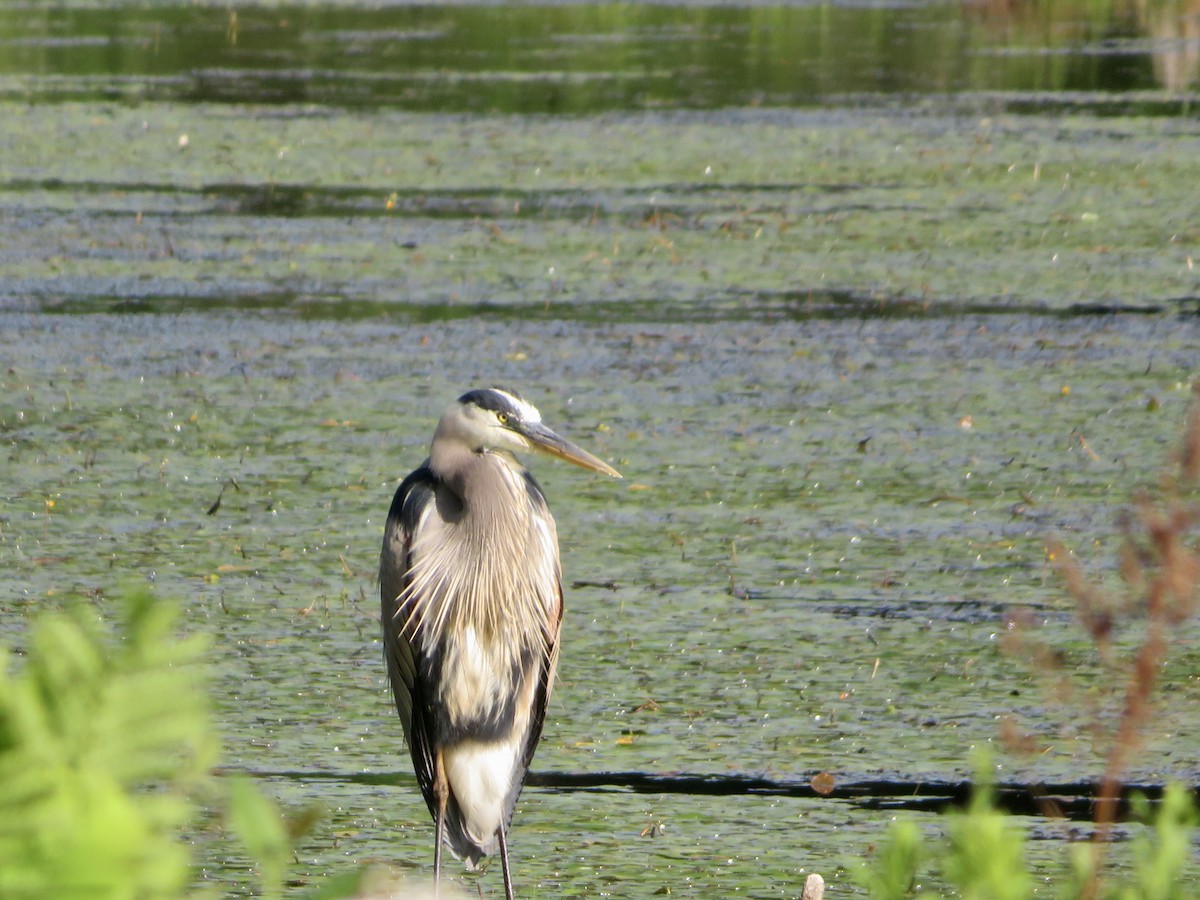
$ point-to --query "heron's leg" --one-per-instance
(440, 831)
(508, 891)
(441, 792)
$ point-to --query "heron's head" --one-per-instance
(498, 419)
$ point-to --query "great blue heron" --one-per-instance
(471, 593)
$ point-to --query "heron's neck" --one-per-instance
(490, 485)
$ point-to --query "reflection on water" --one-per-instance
(1167, 32)
(1175, 29)
(587, 57)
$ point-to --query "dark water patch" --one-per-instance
(966, 611)
(266, 200)
(714, 306)
(1073, 801)
(667, 207)
(1137, 103)
(1069, 800)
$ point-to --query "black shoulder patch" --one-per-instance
(414, 494)
(537, 496)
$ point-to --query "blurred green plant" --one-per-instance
(106, 758)
(104, 741)
(892, 874)
(983, 857)
(257, 822)
(986, 852)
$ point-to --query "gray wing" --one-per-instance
(414, 495)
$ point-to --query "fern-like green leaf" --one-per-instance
(102, 736)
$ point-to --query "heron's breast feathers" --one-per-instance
(503, 581)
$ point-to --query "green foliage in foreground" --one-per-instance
(986, 853)
(106, 756)
(983, 857)
(106, 760)
(104, 740)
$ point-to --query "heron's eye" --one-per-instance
(502, 418)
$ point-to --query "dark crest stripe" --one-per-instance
(497, 399)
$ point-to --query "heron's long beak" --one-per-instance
(542, 438)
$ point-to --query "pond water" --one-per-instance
(583, 58)
(865, 301)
